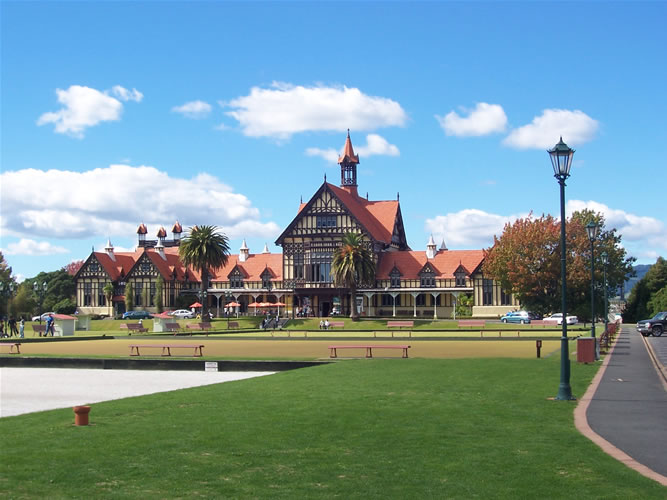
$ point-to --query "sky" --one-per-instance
(229, 113)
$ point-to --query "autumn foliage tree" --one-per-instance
(526, 261)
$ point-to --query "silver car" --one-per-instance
(183, 314)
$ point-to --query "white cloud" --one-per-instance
(127, 95)
(375, 145)
(632, 228)
(112, 201)
(469, 228)
(330, 155)
(86, 107)
(575, 127)
(483, 120)
(193, 109)
(285, 109)
(31, 247)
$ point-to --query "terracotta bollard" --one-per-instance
(81, 415)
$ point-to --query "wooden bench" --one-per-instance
(369, 349)
(199, 326)
(336, 324)
(166, 348)
(471, 322)
(133, 327)
(233, 324)
(12, 346)
(173, 327)
(400, 324)
(38, 329)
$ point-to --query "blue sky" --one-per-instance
(117, 113)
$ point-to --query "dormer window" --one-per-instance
(266, 279)
(395, 278)
(427, 279)
(460, 278)
(236, 279)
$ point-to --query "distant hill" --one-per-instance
(640, 271)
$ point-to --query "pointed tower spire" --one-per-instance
(443, 246)
(348, 162)
(266, 248)
(430, 248)
(244, 252)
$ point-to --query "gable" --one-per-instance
(92, 268)
(143, 268)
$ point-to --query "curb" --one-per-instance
(581, 423)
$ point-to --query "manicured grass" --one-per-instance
(371, 428)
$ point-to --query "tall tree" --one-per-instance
(159, 289)
(73, 267)
(525, 259)
(204, 249)
(647, 296)
(129, 296)
(352, 266)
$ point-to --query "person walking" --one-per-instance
(49, 325)
(12, 327)
(21, 327)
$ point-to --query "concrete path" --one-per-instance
(626, 407)
(26, 390)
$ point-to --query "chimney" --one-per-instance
(109, 250)
(159, 248)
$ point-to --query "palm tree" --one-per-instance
(108, 293)
(204, 248)
(352, 265)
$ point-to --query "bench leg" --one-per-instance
(332, 354)
(369, 352)
(405, 352)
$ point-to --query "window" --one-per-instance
(505, 298)
(87, 294)
(395, 277)
(326, 221)
(427, 279)
(152, 297)
(460, 278)
(298, 266)
(319, 269)
(266, 280)
(236, 282)
(138, 289)
(101, 298)
(487, 292)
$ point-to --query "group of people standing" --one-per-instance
(11, 328)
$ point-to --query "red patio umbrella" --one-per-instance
(255, 305)
(196, 304)
(234, 304)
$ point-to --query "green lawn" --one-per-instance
(356, 429)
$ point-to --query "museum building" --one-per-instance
(415, 283)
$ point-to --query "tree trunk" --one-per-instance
(354, 315)
(204, 299)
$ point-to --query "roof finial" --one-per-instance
(366, 195)
(348, 133)
(398, 196)
(325, 176)
(301, 200)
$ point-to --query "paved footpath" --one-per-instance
(629, 407)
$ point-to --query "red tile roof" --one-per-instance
(409, 263)
(253, 267)
(348, 152)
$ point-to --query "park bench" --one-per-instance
(166, 348)
(233, 324)
(12, 346)
(173, 327)
(38, 329)
(369, 349)
(471, 322)
(133, 327)
(336, 324)
(400, 324)
(204, 326)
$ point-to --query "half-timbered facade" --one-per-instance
(408, 282)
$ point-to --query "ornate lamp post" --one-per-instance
(40, 291)
(228, 296)
(592, 229)
(561, 160)
(203, 296)
(605, 261)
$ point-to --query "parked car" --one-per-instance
(137, 315)
(534, 316)
(516, 317)
(654, 326)
(558, 319)
(182, 314)
(42, 317)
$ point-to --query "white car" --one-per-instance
(558, 319)
(42, 317)
(182, 314)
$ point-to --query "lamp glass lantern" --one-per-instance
(561, 159)
(593, 230)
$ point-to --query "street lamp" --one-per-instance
(605, 261)
(203, 295)
(228, 296)
(40, 291)
(561, 160)
(592, 229)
